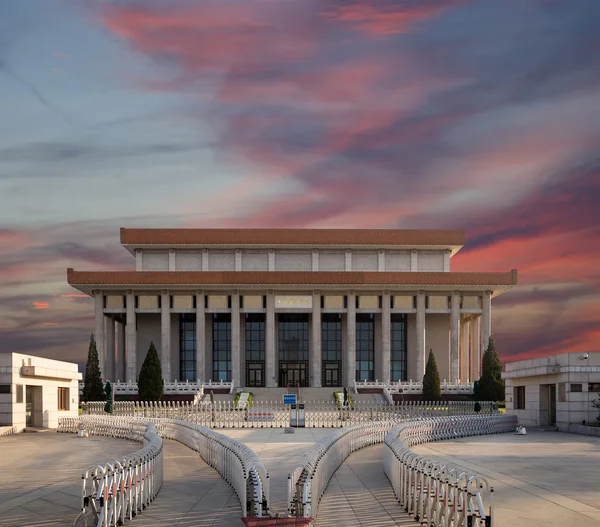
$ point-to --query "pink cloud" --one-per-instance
(41, 305)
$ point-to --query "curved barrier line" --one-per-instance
(236, 463)
(116, 491)
(432, 492)
(309, 479)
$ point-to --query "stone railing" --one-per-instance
(410, 387)
(117, 491)
(171, 388)
(308, 481)
(435, 493)
(322, 414)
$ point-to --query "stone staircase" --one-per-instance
(306, 394)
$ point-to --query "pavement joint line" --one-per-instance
(524, 486)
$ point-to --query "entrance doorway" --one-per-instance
(33, 406)
(293, 374)
(293, 349)
(255, 373)
(547, 404)
(332, 373)
(552, 404)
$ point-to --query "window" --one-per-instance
(63, 399)
(293, 337)
(221, 347)
(4, 388)
(398, 347)
(576, 387)
(365, 347)
(19, 393)
(255, 336)
(594, 387)
(331, 336)
(187, 347)
(519, 397)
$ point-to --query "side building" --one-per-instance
(278, 307)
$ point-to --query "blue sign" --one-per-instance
(289, 398)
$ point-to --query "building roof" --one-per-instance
(86, 281)
(451, 239)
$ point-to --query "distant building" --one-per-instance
(554, 390)
(315, 307)
(35, 391)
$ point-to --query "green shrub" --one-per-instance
(237, 398)
(341, 399)
(151, 384)
(491, 385)
(432, 390)
(93, 389)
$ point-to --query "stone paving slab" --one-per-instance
(40, 475)
(193, 494)
(360, 495)
(540, 479)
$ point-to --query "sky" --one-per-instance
(481, 115)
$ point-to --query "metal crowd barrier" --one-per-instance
(435, 493)
(318, 414)
(116, 491)
(309, 479)
(236, 462)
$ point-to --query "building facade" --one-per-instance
(557, 390)
(35, 391)
(278, 307)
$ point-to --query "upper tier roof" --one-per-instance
(445, 239)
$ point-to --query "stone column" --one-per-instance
(165, 335)
(110, 350)
(486, 322)
(121, 371)
(316, 360)
(172, 260)
(139, 261)
(99, 331)
(385, 336)
(454, 337)
(351, 340)
(476, 348)
(270, 341)
(200, 337)
(131, 340)
(465, 328)
(421, 351)
(235, 339)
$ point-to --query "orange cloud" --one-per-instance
(41, 305)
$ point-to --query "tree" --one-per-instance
(491, 385)
(151, 384)
(93, 390)
(431, 380)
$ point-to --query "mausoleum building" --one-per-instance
(278, 307)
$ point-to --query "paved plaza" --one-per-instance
(360, 495)
(540, 479)
(40, 475)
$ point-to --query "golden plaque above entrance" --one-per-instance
(295, 301)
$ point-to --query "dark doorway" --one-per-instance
(552, 404)
(255, 350)
(293, 349)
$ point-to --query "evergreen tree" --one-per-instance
(491, 385)
(432, 390)
(151, 384)
(93, 390)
